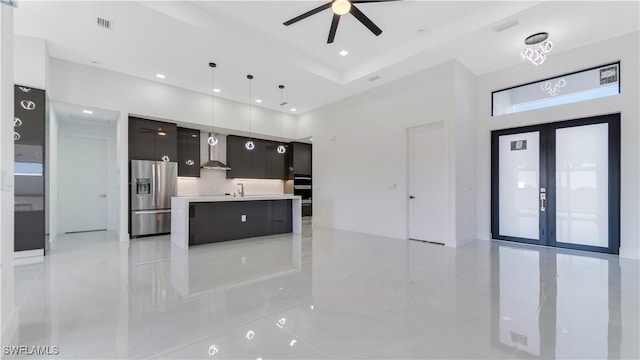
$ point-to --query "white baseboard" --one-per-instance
(28, 253)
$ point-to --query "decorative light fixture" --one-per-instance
(341, 7)
(249, 145)
(212, 140)
(281, 148)
(553, 89)
(537, 46)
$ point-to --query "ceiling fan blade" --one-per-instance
(334, 27)
(365, 20)
(370, 1)
(307, 14)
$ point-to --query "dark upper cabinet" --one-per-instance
(263, 162)
(146, 144)
(274, 162)
(188, 152)
(234, 156)
(253, 166)
(301, 158)
(167, 145)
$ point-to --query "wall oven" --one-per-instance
(302, 187)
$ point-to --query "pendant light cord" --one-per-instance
(250, 77)
(212, 98)
(281, 113)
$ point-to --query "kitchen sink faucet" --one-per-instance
(241, 189)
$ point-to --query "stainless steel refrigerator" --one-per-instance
(153, 183)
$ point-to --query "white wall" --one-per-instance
(31, 61)
(624, 48)
(51, 178)
(215, 182)
(462, 163)
(359, 151)
(8, 310)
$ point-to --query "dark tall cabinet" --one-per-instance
(299, 170)
(29, 129)
(146, 143)
(188, 152)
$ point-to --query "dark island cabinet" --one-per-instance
(147, 143)
(211, 222)
(263, 162)
(188, 152)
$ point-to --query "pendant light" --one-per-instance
(281, 148)
(249, 145)
(213, 139)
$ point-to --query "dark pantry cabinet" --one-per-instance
(29, 141)
(188, 152)
(299, 159)
(146, 144)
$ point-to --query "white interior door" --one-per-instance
(428, 185)
(83, 184)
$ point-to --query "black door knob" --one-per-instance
(411, 197)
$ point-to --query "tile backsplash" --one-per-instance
(215, 182)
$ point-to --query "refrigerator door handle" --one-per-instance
(143, 212)
(154, 189)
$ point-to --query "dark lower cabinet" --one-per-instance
(29, 230)
(211, 222)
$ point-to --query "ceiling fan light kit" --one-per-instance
(339, 8)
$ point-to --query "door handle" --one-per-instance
(102, 196)
(153, 183)
(411, 197)
(543, 198)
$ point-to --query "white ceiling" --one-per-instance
(179, 39)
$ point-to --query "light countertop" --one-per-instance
(213, 198)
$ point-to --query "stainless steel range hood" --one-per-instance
(214, 163)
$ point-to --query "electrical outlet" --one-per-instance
(243, 218)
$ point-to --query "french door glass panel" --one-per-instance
(582, 185)
(519, 184)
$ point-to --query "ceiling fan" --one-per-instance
(341, 7)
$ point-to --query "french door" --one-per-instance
(558, 184)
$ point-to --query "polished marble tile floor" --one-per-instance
(327, 294)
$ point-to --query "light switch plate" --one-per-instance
(243, 218)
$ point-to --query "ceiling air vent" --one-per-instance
(374, 78)
(507, 25)
(104, 23)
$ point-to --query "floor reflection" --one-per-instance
(557, 304)
(325, 294)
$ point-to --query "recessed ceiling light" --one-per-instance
(344, 53)
(258, 101)
(87, 112)
(311, 139)
(294, 109)
(216, 90)
(160, 76)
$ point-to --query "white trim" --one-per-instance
(28, 253)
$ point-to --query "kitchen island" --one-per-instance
(207, 219)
